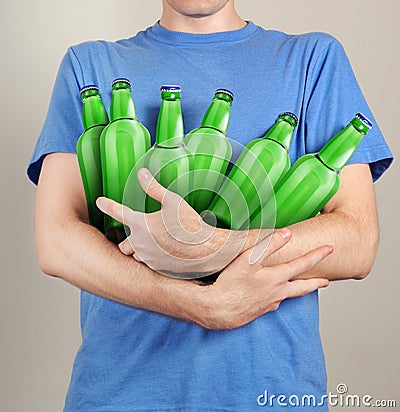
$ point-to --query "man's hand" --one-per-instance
(243, 292)
(175, 240)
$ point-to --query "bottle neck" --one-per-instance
(281, 132)
(93, 112)
(338, 151)
(169, 130)
(217, 115)
(122, 106)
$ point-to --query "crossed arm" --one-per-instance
(71, 249)
(175, 240)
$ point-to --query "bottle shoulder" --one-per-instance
(205, 138)
(310, 164)
(261, 145)
(125, 124)
(160, 156)
(159, 148)
(92, 132)
(206, 131)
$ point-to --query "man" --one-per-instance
(152, 343)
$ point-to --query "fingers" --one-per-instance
(160, 193)
(110, 207)
(278, 239)
(303, 263)
(151, 186)
(114, 209)
(126, 248)
(269, 245)
(298, 288)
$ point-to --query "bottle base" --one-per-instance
(209, 279)
(116, 235)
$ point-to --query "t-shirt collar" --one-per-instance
(181, 38)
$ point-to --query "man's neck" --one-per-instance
(225, 19)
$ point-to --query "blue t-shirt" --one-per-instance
(135, 360)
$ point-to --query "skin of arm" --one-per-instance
(70, 249)
(348, 222)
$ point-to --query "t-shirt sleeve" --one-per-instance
(334, 97)
(63, 125)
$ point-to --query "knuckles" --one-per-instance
(274, 306)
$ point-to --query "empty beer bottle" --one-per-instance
(123, 142)
(169, 159)
(257, 170)
(313, 179)
(211, 150)
(94, 119)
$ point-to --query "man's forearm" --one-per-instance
(81, 255)
(354, 247)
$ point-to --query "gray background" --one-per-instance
(40, 316)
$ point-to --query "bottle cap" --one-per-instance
(88, 87)
(290, 118)
(225, 91)
(170, 92)
(171, 88)
(121, 80)
(365, 120)
(361, 123)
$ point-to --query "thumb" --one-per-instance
(151, 186)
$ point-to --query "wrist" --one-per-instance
(199, 303)
(217, 310)
(204, 311)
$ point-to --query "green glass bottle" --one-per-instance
(211, 150)
(313, 179)
(169, 159)
(94, 119)
(123, 142)
(257, 170)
